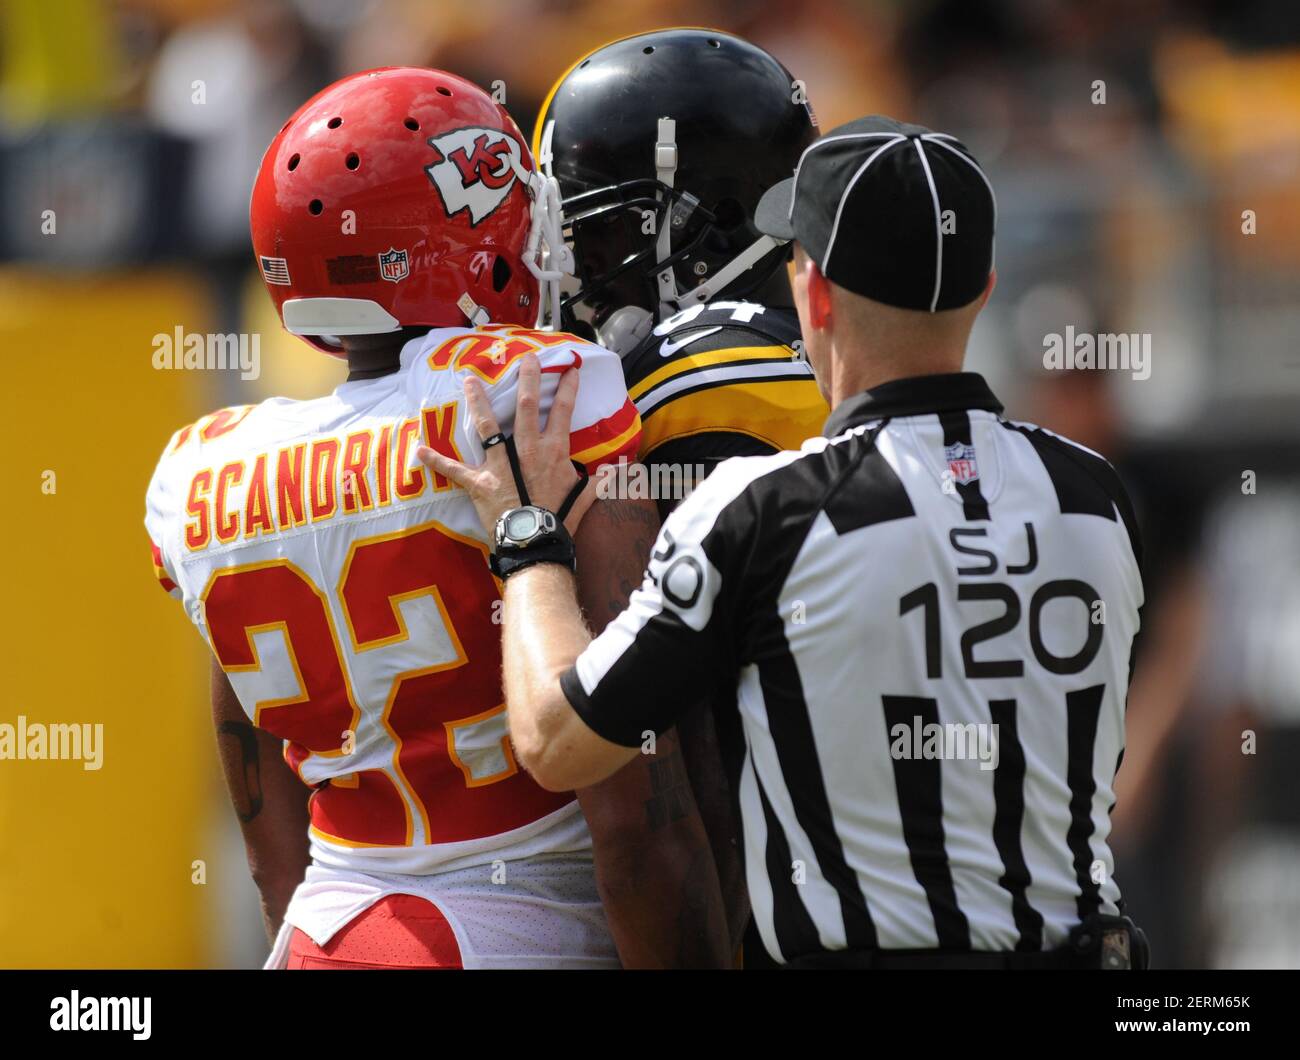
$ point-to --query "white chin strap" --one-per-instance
(666, 173)
(666, 160)
(742, 262)
(546, 255)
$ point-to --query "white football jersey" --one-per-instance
(345, 592)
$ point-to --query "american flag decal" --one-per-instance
(275, 270)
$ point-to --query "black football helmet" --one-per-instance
(662, 145)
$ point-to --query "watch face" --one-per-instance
(521, 524)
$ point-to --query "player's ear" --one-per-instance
(819, 298)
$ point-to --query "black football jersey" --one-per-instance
(722, 380)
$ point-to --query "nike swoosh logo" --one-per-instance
(667, 348)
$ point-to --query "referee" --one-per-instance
(926, 615)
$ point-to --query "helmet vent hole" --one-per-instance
(501, 273)
(583, 63)
(443, 90)
(293, 163)
(314, 207)
(412, 124)
(647, 50)
(353, 161)
(334, 123)
(714, 44)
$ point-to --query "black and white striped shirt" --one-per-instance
(927, 618)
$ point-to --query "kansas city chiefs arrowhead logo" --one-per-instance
(475, 171)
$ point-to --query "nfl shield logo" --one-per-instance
(961, 462)
(393, 265)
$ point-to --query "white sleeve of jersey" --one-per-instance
(161, 508)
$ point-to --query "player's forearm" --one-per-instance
(276, 890)
(269, 800)
(654, 866)
(278, 850)
(664, 906)
(271, 804)
(702, 756)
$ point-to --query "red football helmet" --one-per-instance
(403, 197)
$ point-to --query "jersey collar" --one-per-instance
(914, 396)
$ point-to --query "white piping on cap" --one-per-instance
(938, 225)
(794, 186)
(938, 139)
(835, 226)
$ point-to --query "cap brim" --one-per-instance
(772, 215)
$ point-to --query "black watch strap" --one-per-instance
(517, 472)
(507, 561)
(574, 493)
(555, 547)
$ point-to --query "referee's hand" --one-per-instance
(543, 455)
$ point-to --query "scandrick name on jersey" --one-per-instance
(313, 480)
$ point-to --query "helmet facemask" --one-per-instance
(546, 255)
(630, 237)
(664, 143)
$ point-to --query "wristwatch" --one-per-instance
(527, 535)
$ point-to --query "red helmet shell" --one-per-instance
(388, 197)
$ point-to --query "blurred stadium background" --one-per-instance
(1125, 217)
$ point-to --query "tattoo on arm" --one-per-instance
(633, 513)
(639, 543)
(252, 794)
(670, 798)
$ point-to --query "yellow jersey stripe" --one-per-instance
(709, 360)
(781, 414)
(340, 841)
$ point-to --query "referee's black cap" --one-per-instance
(891, 211)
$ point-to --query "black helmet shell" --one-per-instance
(741, 124)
